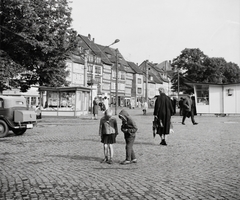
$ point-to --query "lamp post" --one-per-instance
(146, 66)
(178, 83)
(116, 91)
(116, 101)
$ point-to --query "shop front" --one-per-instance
(217, 98)
(65, 101)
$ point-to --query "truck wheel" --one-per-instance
(19, 131)
(3, 129)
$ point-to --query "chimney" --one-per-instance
(89, 36)
(93, 40)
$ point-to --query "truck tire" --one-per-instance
(3, 129)
(19, 131)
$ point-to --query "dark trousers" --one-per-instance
(185, 114)
(130, 155)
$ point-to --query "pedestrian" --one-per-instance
(108, 131)
(163, 111)
(95, 108)
(180, 105)
(102, 106)
(188, 110)
(129, 128)
(106, 102)
(145, 107)
(174, 102)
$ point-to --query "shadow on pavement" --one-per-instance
(88, 158)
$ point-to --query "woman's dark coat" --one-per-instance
(163, 110)
(95, 107)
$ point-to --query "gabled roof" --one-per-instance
(135, 68)
(95, 48)
(76, 59)
(104, 57)
(128, 69)
(157, 72)
(155, 78)
(165, 65)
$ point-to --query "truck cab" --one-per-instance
(15, 116)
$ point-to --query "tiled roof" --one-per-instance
(165, 65)
(95, 48)
(135, 68)
(157, 72)
(76, 59)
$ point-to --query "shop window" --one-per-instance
(202, 94)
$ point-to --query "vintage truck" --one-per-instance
(15, 116)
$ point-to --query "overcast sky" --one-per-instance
(159, 30)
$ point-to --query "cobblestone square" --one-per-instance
(60, 159)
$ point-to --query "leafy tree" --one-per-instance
(188, 67)
(36, 39)
(231, 73)
(194, 66)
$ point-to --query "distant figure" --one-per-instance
(188, 110)
(174, 102)
(163, 111)
(108, 131)
(180, 104)
(95, 108)
(106, 103)
(194, 105)
(145, 107)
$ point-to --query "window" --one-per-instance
(90, 58)
(108, 55)
(98, 79)
(202, 94)
(89, 78)
(139, 90)
(90, 68)
(97, 69)
(139, 81)
(122, 76)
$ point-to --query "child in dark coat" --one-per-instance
(129, 129)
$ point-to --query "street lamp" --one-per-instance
(116, 101)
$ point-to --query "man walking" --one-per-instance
(188, 110)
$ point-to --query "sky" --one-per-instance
(158, 30)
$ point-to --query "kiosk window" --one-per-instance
(202, 94)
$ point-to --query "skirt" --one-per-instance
(108, 139)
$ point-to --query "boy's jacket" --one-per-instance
(129, 126)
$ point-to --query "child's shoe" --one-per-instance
(110, 161)
(104, 160)
(125, 162)
(134, 160)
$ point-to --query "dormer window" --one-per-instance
(108, 55)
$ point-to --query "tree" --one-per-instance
(194, 66)
(189, 67)
(36, 39)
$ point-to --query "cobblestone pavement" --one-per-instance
(60, 159)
